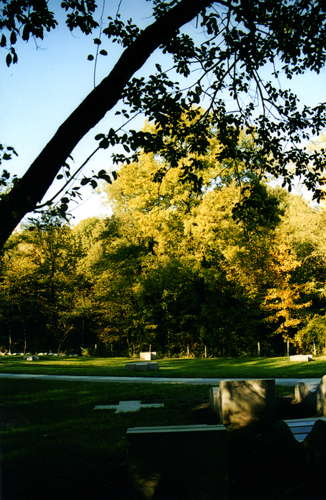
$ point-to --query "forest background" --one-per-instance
(206, 273)
(209, 259)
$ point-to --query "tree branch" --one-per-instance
(40, 175)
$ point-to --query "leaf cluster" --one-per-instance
(25, 19)
(242, 38)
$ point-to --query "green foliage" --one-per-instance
(30, 19)
(172, 269)
(312, 337)
(257, 208)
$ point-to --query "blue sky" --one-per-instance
(54, 75)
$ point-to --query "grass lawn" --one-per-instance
(54, 444)
(218, 367)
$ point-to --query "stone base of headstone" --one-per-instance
(143, 366)
(243, 402)
(179, 462)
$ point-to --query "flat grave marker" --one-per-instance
(128, 406)
(143, 365)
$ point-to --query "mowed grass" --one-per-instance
(54, 444)
(277, 367)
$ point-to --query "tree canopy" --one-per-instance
(229, 67)
(171, 269)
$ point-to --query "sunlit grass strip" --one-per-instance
(277, 367)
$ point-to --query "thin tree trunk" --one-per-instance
(9, 342)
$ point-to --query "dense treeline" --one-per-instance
(213, 271)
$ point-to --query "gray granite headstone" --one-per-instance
(301, 392)
(243, 402)
(305, 395)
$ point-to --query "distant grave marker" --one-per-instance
(147, 356)
(128, 406)
(301, 357)
(143, 365)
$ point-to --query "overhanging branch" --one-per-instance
(40, 175)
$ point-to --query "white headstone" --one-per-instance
(147, 356)
(301, 357)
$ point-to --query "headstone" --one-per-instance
(32, 358)
(179, 461)
(301, 391)
(305, 396)
(321, 397)
(301, 357)
(128, 406)
(143, 365)
(214, 400)
(243, 402)
(147, 356)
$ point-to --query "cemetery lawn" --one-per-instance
(54, 444)
(278, 367)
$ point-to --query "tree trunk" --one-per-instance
(33, 186)
(9, 343)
